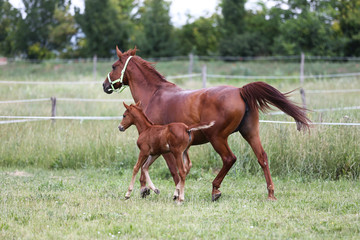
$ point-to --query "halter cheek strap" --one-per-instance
(120, 80)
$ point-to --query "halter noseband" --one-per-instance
(120, 80)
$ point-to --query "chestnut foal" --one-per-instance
(155, 140)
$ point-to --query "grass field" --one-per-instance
(90, 204)
(67, 180)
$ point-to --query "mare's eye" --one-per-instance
(113, 67)
(124, 116)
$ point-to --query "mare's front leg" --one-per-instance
(139, 163)
(145, 168)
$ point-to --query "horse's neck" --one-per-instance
(141, 122)
(144, 83)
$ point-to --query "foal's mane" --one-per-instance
(149, 66)
(141, 112)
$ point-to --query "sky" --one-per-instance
(179, 9)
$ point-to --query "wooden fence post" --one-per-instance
(203, 74)
(53, 108)
(302, 91)
(94, 66)
(191, 63)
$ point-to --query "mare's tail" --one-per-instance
(200, 126)
(259, 95)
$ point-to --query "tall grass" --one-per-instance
(328, 152)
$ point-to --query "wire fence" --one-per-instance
(203, 75)
(185, 58)
(39, 118)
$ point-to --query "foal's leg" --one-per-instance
(139, 163)
(180, 187)
(145, 168)
(222, 148)
(170, 161)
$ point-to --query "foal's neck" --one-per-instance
(142, 122)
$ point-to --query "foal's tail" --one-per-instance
(259, 95)
(200, 126)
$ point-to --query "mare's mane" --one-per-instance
(150, 66)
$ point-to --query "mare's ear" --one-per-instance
(126, 106)
(118, 52)
(133, 51)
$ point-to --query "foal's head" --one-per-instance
(132, 114)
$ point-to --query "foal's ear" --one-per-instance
(126, 106)
(118, 52)
(138, 104)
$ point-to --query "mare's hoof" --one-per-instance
(126, 197)
(216, 196)
(175, 197)
(157, 191)
(144, 192)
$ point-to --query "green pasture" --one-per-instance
(90, 204)
(67, 179)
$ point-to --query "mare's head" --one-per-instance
(117, 78)
(129, 116)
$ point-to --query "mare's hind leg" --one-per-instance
(222, 148)
(187, 161)
(170, 161)
(250, 131)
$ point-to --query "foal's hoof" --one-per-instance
(127, 197)
(216, 196)
(272, 198)
(178, 202)
(144, 192)
(176, 194)
(157, 191)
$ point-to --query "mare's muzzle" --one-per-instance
(107, 88)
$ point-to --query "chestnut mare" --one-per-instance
(233, 110)
(155, 140)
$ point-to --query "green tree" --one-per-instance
(200, 37)
(105, 23)
(9, 18)
(349, 21)
(308, 27)
(156, 35)
(233, 12)
(232, 25)
(63, 29)
(308, 33)
(33, 31)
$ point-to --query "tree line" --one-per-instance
(48, 29)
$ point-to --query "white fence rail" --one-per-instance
(37, 118)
